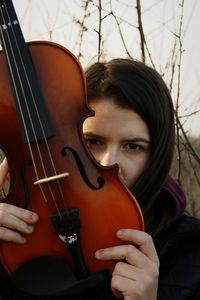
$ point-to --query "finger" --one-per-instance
(124, 287)
(17, 218)
(124, 252)
(126, 270)
(11, 221)
(4, 170)
(21, 213)
(142, 240)
(147, 275)
(131, 288)
(12, 236)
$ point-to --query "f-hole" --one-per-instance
(4, 175)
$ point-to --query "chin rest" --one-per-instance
(52, 276)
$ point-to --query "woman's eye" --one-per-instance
(92, 141)
(135, 147)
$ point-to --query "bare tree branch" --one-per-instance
(140, 27)
(121, 36)
(143, 43)
(83, 28)
(179, 36)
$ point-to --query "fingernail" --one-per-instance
(29, 229)
(98, 254)
(34, 217)
(22, 240)
(120, 233)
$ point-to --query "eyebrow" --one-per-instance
(135, 139)
(138, 139)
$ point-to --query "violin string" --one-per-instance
(26, 133)
(29, 115)
(40, 122)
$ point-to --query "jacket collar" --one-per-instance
(175, 194)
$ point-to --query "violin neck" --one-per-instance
(28, 98)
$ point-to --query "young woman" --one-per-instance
(133, 126)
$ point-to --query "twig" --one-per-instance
(188, 144)
(140, 27)
(179, 36)
(99, 32)
(121, 35)
(83, 28)
(143, 42)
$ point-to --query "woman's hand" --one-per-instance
(135, 276)
(14, 221)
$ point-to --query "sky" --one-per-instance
(59, 21)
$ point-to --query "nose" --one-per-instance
(109, 157)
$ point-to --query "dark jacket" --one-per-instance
(179, 253)
(178, 249)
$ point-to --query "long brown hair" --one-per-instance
(134, 85)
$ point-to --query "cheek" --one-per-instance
(131, 171)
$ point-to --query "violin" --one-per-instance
(81, 204)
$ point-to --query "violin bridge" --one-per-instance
(52, 178)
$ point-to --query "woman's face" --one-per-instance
(118, 135)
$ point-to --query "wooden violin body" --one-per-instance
(59, 176)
